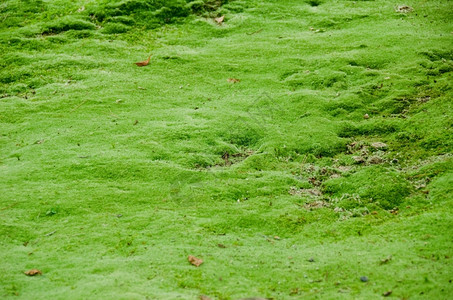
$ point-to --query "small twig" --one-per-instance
(82, 103)
(255, 32)
(9, 206)
(112, 114)
(50, 233)
(6, 16)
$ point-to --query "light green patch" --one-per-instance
(295, 147)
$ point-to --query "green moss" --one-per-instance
(374, 184)
(115, 28)
(67, 23)
(118, 173)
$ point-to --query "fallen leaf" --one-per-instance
(221, 245)
(386, 294)
(143, 63)
(233, 80)
(33, 272)
(219, 20)
(195, 261)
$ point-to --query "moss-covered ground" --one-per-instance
(301, 149)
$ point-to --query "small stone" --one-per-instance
(364, 279)
(311, 259)
(366, 116)
(386, 294)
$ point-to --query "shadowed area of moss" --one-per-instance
(294, 146)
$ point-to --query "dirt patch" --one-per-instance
(403, 9)
(316, 204)
(230, 159)
(307, 192)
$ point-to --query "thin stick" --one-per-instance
(9, 206)
(83, 102)
(255, 32)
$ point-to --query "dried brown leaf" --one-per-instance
(219, 20)
(194, 261)
(143, 63)
(233, 80)
(33, 272)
